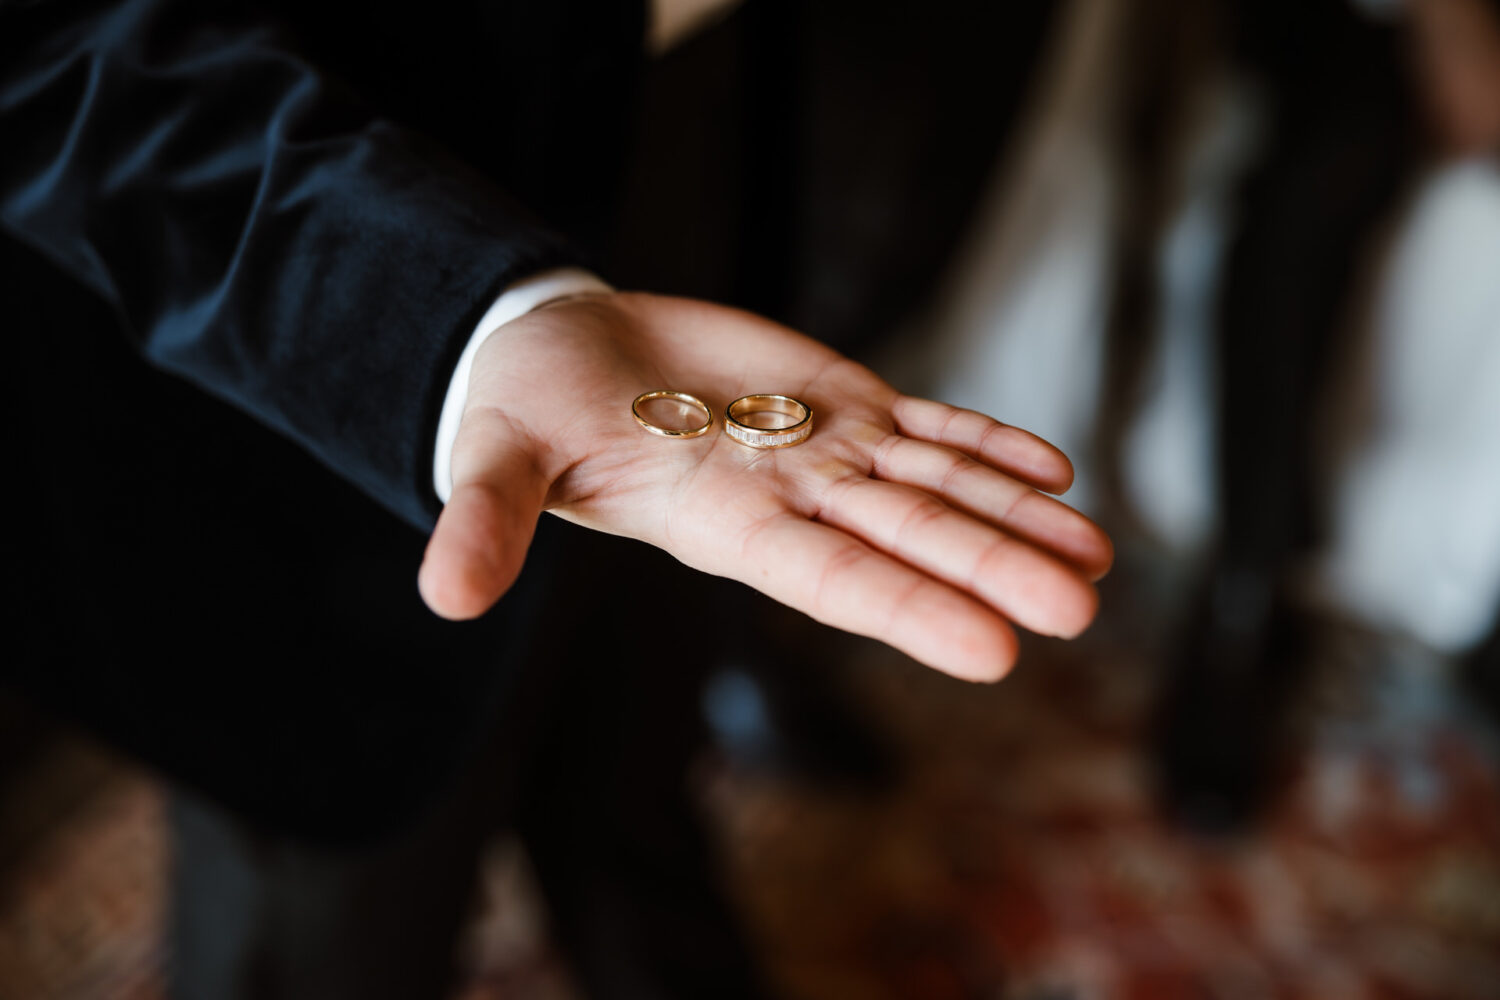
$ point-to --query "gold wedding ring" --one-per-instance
(681, 397)
(789, 423)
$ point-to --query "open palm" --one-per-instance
(907, 520)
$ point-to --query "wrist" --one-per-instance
(547, 288)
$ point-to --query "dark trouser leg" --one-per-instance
(1480, 672)
(608, 816)
(257, 916)
(272, 917)
(600, 741)
(1336, 158)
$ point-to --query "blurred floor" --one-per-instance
(1023, 859)
(1019, 859)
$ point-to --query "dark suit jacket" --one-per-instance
(304, 215)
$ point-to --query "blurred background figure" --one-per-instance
(1233, 257)
(1261, 233)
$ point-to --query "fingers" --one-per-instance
(980, 490)
(1009, 449)
(842, 582)
(1023, 583)
(480, 541)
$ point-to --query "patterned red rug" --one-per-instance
(1020, 859)
(1023, 858)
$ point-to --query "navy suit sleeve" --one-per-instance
(255, 227)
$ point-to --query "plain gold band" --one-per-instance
(681, 397)
(768, 437)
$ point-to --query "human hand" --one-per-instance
(903, 519)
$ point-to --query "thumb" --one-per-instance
(476, 551)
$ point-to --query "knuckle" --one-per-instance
(923, 512)
(839, 564)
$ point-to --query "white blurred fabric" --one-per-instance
(1017, 326)
(1415, 470)
(1018, 329)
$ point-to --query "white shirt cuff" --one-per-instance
(516, 301)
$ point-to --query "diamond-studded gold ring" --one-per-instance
(681, 397)
(768, 420)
